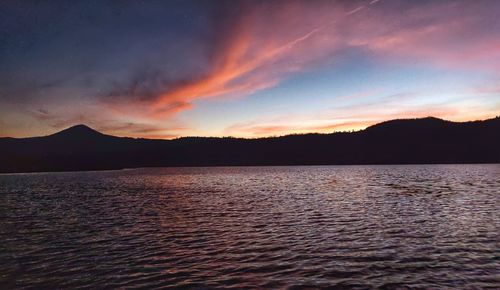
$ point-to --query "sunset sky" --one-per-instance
(165, 69)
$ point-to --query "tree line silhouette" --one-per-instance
(407, 141)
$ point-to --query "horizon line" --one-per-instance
(251, 138)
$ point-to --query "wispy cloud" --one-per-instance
(249, 56)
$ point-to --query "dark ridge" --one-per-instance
(407, 141)
(428, 121)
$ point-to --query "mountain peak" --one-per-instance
(79, 130)
(80, 127)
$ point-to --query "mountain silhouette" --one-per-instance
(78, 131)
(406, 141)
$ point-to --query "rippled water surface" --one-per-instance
(263, 227)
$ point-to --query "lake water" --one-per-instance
(265, 227)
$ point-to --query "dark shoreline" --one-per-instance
(236, 166)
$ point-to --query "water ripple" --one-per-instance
(353, 227)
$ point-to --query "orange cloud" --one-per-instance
(232, 68)
(249, 57)
(255, 130)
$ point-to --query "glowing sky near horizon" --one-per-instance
(164, 69)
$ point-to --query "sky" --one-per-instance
(167, 69)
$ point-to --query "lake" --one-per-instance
(422, 226)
